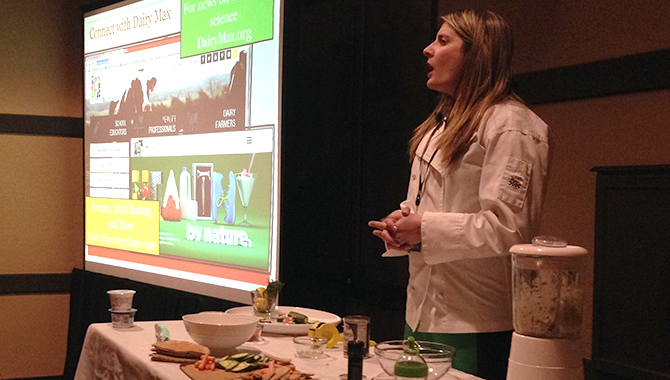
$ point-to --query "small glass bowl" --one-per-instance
(310, 347)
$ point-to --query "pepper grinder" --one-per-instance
(356, 352)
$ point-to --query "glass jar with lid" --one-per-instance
(547, 288)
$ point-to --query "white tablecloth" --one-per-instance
(117, 354)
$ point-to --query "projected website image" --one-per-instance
(152, 91)
(207, 224)
(181, 144)
(196, 199)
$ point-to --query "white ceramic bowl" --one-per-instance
(438, 356)
(121, 299)
(219, 331)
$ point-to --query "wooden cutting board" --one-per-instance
(217, 374)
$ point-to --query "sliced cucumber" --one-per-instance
(250, 358)
(241, 366)
(298, 318)
(227, 364)
(241, 362)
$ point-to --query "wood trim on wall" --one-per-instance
(632, 73)
(42, 125)
(34, 283)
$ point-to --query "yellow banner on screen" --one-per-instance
(131, 225)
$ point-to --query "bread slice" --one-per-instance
(180, 349)
(172, 359)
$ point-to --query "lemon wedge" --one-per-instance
(327, 331)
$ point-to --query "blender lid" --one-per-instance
(548, 246)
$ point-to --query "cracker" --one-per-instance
(180, 348)
(172, 359)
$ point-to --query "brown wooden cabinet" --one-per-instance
(631, 306)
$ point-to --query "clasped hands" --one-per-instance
(400, 230)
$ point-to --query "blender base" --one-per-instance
(534, 358)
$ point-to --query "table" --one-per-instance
(110, 353)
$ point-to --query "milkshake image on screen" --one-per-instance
(245, 185)
(203, 176)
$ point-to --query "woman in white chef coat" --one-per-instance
(480, 166)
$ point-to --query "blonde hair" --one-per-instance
(485, 81)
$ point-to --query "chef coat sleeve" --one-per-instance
(511, 192)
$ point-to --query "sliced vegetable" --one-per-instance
(227, 364)
(298, 318)
(245, 366)
(242, 362)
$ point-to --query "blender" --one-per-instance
(547, 298)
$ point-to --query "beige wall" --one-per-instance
(41, 58)
(611, 131)
(41, 201)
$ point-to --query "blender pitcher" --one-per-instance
(547, 302)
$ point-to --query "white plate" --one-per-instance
(291, 328)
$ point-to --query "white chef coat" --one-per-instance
(472, 212)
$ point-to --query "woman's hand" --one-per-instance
(399, 230)
(408, 231)
(385, 228)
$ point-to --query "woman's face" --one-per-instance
(445, 58)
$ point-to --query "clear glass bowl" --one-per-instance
(310, 347)
(438, 356)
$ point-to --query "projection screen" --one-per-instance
(181, 143)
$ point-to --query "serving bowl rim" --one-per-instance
(302, 339)
(440, 350)
(243, 320)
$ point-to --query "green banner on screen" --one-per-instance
(210, 25)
